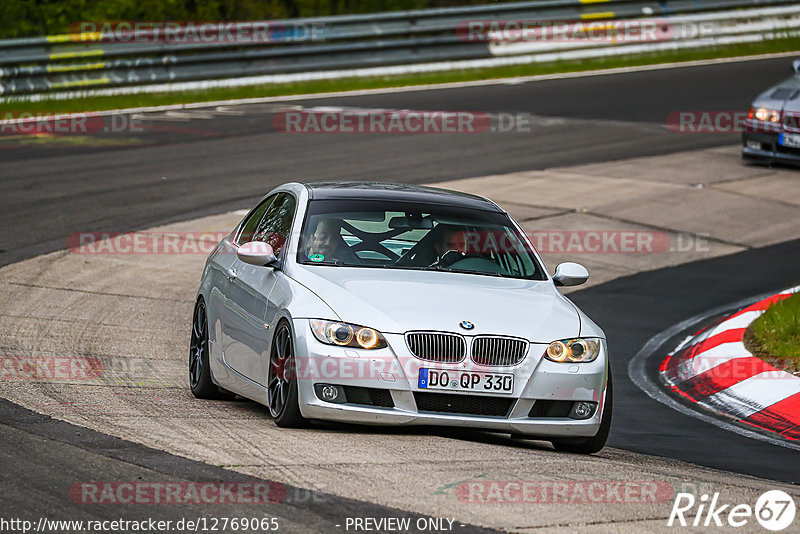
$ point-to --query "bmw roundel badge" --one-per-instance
(466, 325)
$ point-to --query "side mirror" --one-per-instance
(796, 65)
(257, 253)
(570, 274)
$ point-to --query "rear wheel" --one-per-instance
(598, 441)
(199, 370)
(282, 380)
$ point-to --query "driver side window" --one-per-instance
(248, 229)
(270, 223)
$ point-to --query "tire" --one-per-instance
(282, 380)
(200, 382)
(598, 441)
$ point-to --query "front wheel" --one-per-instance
(282, 380)
(598, 441)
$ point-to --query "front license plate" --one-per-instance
(792, 140)
(466, 381)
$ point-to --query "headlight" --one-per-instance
(579, 350)
(765, 115)
(347, 335)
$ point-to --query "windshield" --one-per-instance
(403, 235)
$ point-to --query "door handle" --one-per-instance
(231, 274)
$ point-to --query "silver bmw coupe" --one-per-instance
(391, 304)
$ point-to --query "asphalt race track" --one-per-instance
(637, 308)
(181, 169)
(50, 455)
(212, 164)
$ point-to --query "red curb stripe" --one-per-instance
(671, 369)
(727, 336)
(667, 364)
(676, 389)
(761, 305)
(782, 417)
(792, 434)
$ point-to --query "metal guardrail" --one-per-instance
(88, 60)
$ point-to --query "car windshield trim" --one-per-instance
(337, 263)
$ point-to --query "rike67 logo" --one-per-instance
(774, 510)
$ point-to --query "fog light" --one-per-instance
(329, 393)
(583, 410)
(754, 145)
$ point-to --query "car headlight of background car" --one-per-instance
(578, 350)
(347, 335)
(772, 116)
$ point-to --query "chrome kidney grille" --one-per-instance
(437, 346)
(452, 348)
(496, 350)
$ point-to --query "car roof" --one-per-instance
(394, 191)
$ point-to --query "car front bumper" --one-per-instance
(396, 370)
(764, 146)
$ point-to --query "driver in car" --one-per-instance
(327, 244)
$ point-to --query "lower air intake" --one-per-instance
(463, 404)
(551, 408)
(368, 396)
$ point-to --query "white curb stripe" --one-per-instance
(707, 360)
(756, 393)
(742, 320)
(739, 321)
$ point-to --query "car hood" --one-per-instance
(397, 301)
(777, 96)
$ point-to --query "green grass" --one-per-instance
(349, 84)
(776, 333)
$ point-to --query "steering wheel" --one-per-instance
(453, 256)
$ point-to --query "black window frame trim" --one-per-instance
(278, 265)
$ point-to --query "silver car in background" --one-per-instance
(390, 304)
(772, 128)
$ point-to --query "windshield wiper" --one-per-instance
(464, 271)
(332, 263)
(439, 268)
